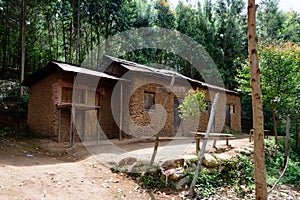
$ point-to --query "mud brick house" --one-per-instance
(119, 99)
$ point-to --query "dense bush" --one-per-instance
(275, 159)
(156, 180)
(236, 173)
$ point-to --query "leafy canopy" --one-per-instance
(193, 104)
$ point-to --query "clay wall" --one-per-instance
(141, 119)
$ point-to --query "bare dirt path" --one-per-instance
(39, 169)
(29, 172)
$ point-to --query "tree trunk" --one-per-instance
(70, 40)
(57, 41)
(297, 132)
(78, 33)
(258, 126)
(23, 28)
(287, 141)
(274, 123)
(64, 39)
(4, 51)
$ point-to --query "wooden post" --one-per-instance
(157, 134)
(121, 111)
(59, 125)
(215, 144)
(197, 144)
(287, 140)
(258, 121)
(204, 143)
(83, 124)
(98, 125)
(23, 29)
(71, 128)
(274, 122)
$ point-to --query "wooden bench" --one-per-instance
(212, 136)
(252, 131)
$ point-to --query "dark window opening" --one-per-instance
(232, 109)
(149, 101)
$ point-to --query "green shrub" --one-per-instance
(274, 162)
(207, 183)
(156, 181)
(6, 130)
(237, 173)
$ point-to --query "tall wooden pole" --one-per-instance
(157, 134)
(23, 28)
(78, 33)
(204, 143)
(121, 111)
(258, 121)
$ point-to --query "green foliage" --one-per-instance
(193, 104)
(6, 130)
(270, 20)
(291, 27)
(237, 173)
(115, 168)
(68, 30)
(207, 183)
(156, 180)
(274, 163)
(280, 79)
(165, 17)
(231, 38)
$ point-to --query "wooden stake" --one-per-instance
(121, 111)
(59, 125)
(157, 134)
(204, 143)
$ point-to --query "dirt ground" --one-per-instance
(29, 172)
(41, 169)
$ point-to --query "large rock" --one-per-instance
(210, 161)
(182, 182)
(222, 157)
(127, 161)
(169, 164)
(243, 151)
(191, 158)
(174, 174)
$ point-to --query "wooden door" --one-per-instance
(227, 118)
(177, 119)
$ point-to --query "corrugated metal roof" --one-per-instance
(54, 65)
(72, 68)
(146, 69)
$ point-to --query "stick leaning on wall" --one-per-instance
(157, 134)
(204, 143)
